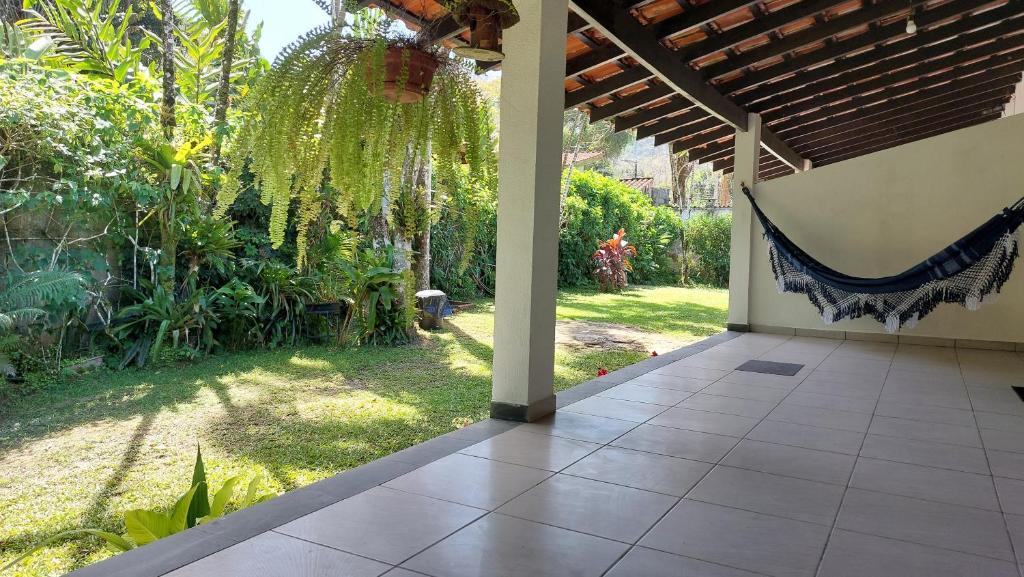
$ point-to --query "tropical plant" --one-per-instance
(142, 329)
(28, 298)
(612, 261)
(284, 294)
(87, 36)
(376, 314)
(319, 112)
(144, 526)
(237, 306)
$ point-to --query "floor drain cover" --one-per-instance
(771, 368)
(1020, 392)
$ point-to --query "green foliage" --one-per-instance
(706, 241)
(598, 206)
(29, 298)
(143, 526)
(87, 36)
(376, 314)
(612, 261)
(317, 112)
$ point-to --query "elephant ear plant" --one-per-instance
(353, 109)
(147, 525)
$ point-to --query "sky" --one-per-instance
(283, 21)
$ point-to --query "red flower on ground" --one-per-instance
(601, 371)
(654, 353)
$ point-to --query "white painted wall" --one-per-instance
(883, 213)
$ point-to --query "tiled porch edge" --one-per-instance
(176, 551)
(976, 344)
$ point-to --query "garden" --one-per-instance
(201, 248)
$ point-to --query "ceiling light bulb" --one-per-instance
(911, 26)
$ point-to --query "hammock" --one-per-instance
(971, 271)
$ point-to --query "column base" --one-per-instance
(738, 327)
(523, 413)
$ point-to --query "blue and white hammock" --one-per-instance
(970, 272)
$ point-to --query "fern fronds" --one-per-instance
(25, 298)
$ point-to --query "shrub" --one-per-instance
(706, 240)
(612, 260)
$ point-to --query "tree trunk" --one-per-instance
(10, 11)
(421, 243)
(224, 90)
(167, 120)
(681, 169)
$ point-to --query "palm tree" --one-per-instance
(224, 90)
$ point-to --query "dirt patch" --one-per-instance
(592, 335)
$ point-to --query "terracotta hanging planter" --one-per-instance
(416, 66)
(486, 20)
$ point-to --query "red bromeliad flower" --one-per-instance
(612, 261)
(601, 371)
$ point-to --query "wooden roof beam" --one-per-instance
(607, 86)
(673, 122)
(688, 131)
(952, 36)
(633, 102)
(650, 114)
(697, 16)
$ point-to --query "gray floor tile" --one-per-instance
(643, 562)
(942, 485)
(593, 507)
(857, 555)
(742, 539)
(928, 413)
(579, 426)
(1000, 422)
(953, 527)
(753, 392)
(399, 572)
(797, 499)
(468, 480)
(728, 405)
(823, 375)
(1015, 524)
(640, 393)
(532, 450)
(925, 431)
(502, 546)
(1011, 495)
(952, 402)
(844, 420)
(831, 402)
(1002, 400)
(382, 524)
(762, 380)
(690, 372)
(809, 437)
(680, 443)
(705, 421)
(1003, 440)
(275, 555)
(615, 409)
(1006, 464)
(648, 471)
(823, 466)
(926, 453)
(670, 382)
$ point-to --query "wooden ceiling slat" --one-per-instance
(904, 139)
(716, 151)
(817, 33)
(843, 47)
(945, 35)
(632, 102)
(941, 57)
(607, 86)
(871, 88)
(624, 30)
(754, 28)
(687, 131)
(926, 119)
(765, 161)
(671, 123)
(868, 117)
(593, 59)
(699, 139)
(649, 114)
(697, 16)
(822, 118)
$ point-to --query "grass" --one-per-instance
(80, 454)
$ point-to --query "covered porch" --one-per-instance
(880, 454)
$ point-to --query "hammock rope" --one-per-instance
(969, 272)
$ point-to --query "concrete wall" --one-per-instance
(882, 213)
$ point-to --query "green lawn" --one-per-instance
(80, 454)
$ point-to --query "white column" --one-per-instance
(529, 174)
(745, 164)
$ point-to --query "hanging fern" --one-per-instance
(317, 127)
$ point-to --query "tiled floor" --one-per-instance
(874, 460)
